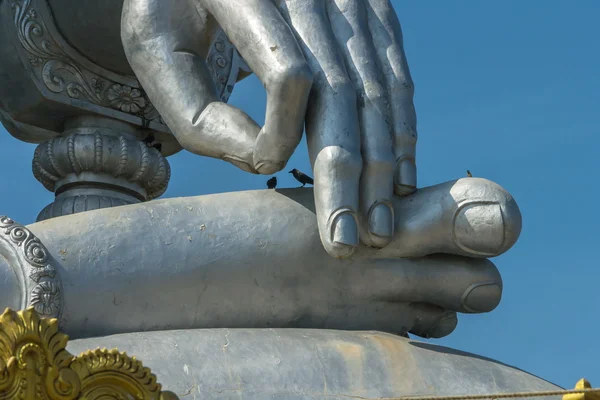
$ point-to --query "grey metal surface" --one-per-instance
(254, 259)
(336, 67)
(98, 163)
(310, 364)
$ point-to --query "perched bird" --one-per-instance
(302, 177)
(157, 146)
(272, 183)
(469, 174)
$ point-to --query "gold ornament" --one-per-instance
(35, 365)
(583, 384)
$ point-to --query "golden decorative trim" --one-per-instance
(583, 384)
(34, 364)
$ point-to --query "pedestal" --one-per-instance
(299, 364)
(98, 163)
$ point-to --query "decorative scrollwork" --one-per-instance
(42, 286)
(61, 74)
(33, 249)
(219, 62)
(34, 364)
(224, 62)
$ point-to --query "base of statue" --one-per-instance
(310, 364)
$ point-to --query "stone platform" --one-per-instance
(310, 364)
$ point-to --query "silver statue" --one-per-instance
(108, 89)
(335, 66)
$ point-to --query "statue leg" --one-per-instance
(169, 63)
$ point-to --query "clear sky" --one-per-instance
(510, 90)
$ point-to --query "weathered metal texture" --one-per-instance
(254, 259)
(311, 364)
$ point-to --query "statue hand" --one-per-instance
(360, 118)
(166, 44)
(361, 122)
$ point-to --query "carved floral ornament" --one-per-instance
(34, 364)
(126, 99)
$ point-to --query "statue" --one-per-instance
(344, 59)
(201, 254)
(229, 272)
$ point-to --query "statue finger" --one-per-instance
(169, 64)
(387, 35)
(350, 26)
(266, 42)
(332, 128)
(472, 217)
(421, 319)
(454, 283)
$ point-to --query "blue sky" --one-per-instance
(510, 90)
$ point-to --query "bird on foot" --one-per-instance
(469, 174)
(302, 177)
(272, 183)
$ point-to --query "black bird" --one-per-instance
(469, 174)
(272, 183)
(302, 177)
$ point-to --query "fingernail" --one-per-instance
(406, 176)
(479, 229)
(481, 297)
(444, 326)
(345, 230)
(381, 221)
(269, 167)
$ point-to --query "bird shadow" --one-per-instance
(302, 196)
